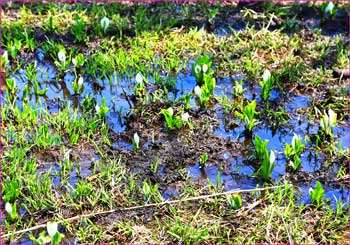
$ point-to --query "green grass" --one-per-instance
(58, 165)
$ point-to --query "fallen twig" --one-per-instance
(137, 207)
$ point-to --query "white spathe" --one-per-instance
(52, 228)
(80, 81)
(185, 117)
(136, 139)
(266, 75)
(197, 69)
(5, 56)
(139, 78)
(97, 108)
(329, 7)
(8, 208)
(272, 157)
(105, 23)
(171, 111)
(205, 68)
(198, 91)
(295, 139)
(61, 56)
(332, 117)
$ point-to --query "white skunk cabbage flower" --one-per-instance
(266, 75)
(139, 78)
(97, 108)
(136, 139)
(105, 23)
(332, 118)
(185, 117)
(171, 111)
(329, 7)
(238, 89)
(197, 69)
(66, 155)
(204, 68)
(5, 57)
(61, 56)
(295, 139)
(52, 228)
(198, 91)
(272, 157)
(80, 82)
(8, 208)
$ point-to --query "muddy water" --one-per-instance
(239, 175)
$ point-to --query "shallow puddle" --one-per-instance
(240, 175)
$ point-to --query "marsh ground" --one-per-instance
(71, 149)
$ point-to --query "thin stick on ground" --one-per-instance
(138, 207)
